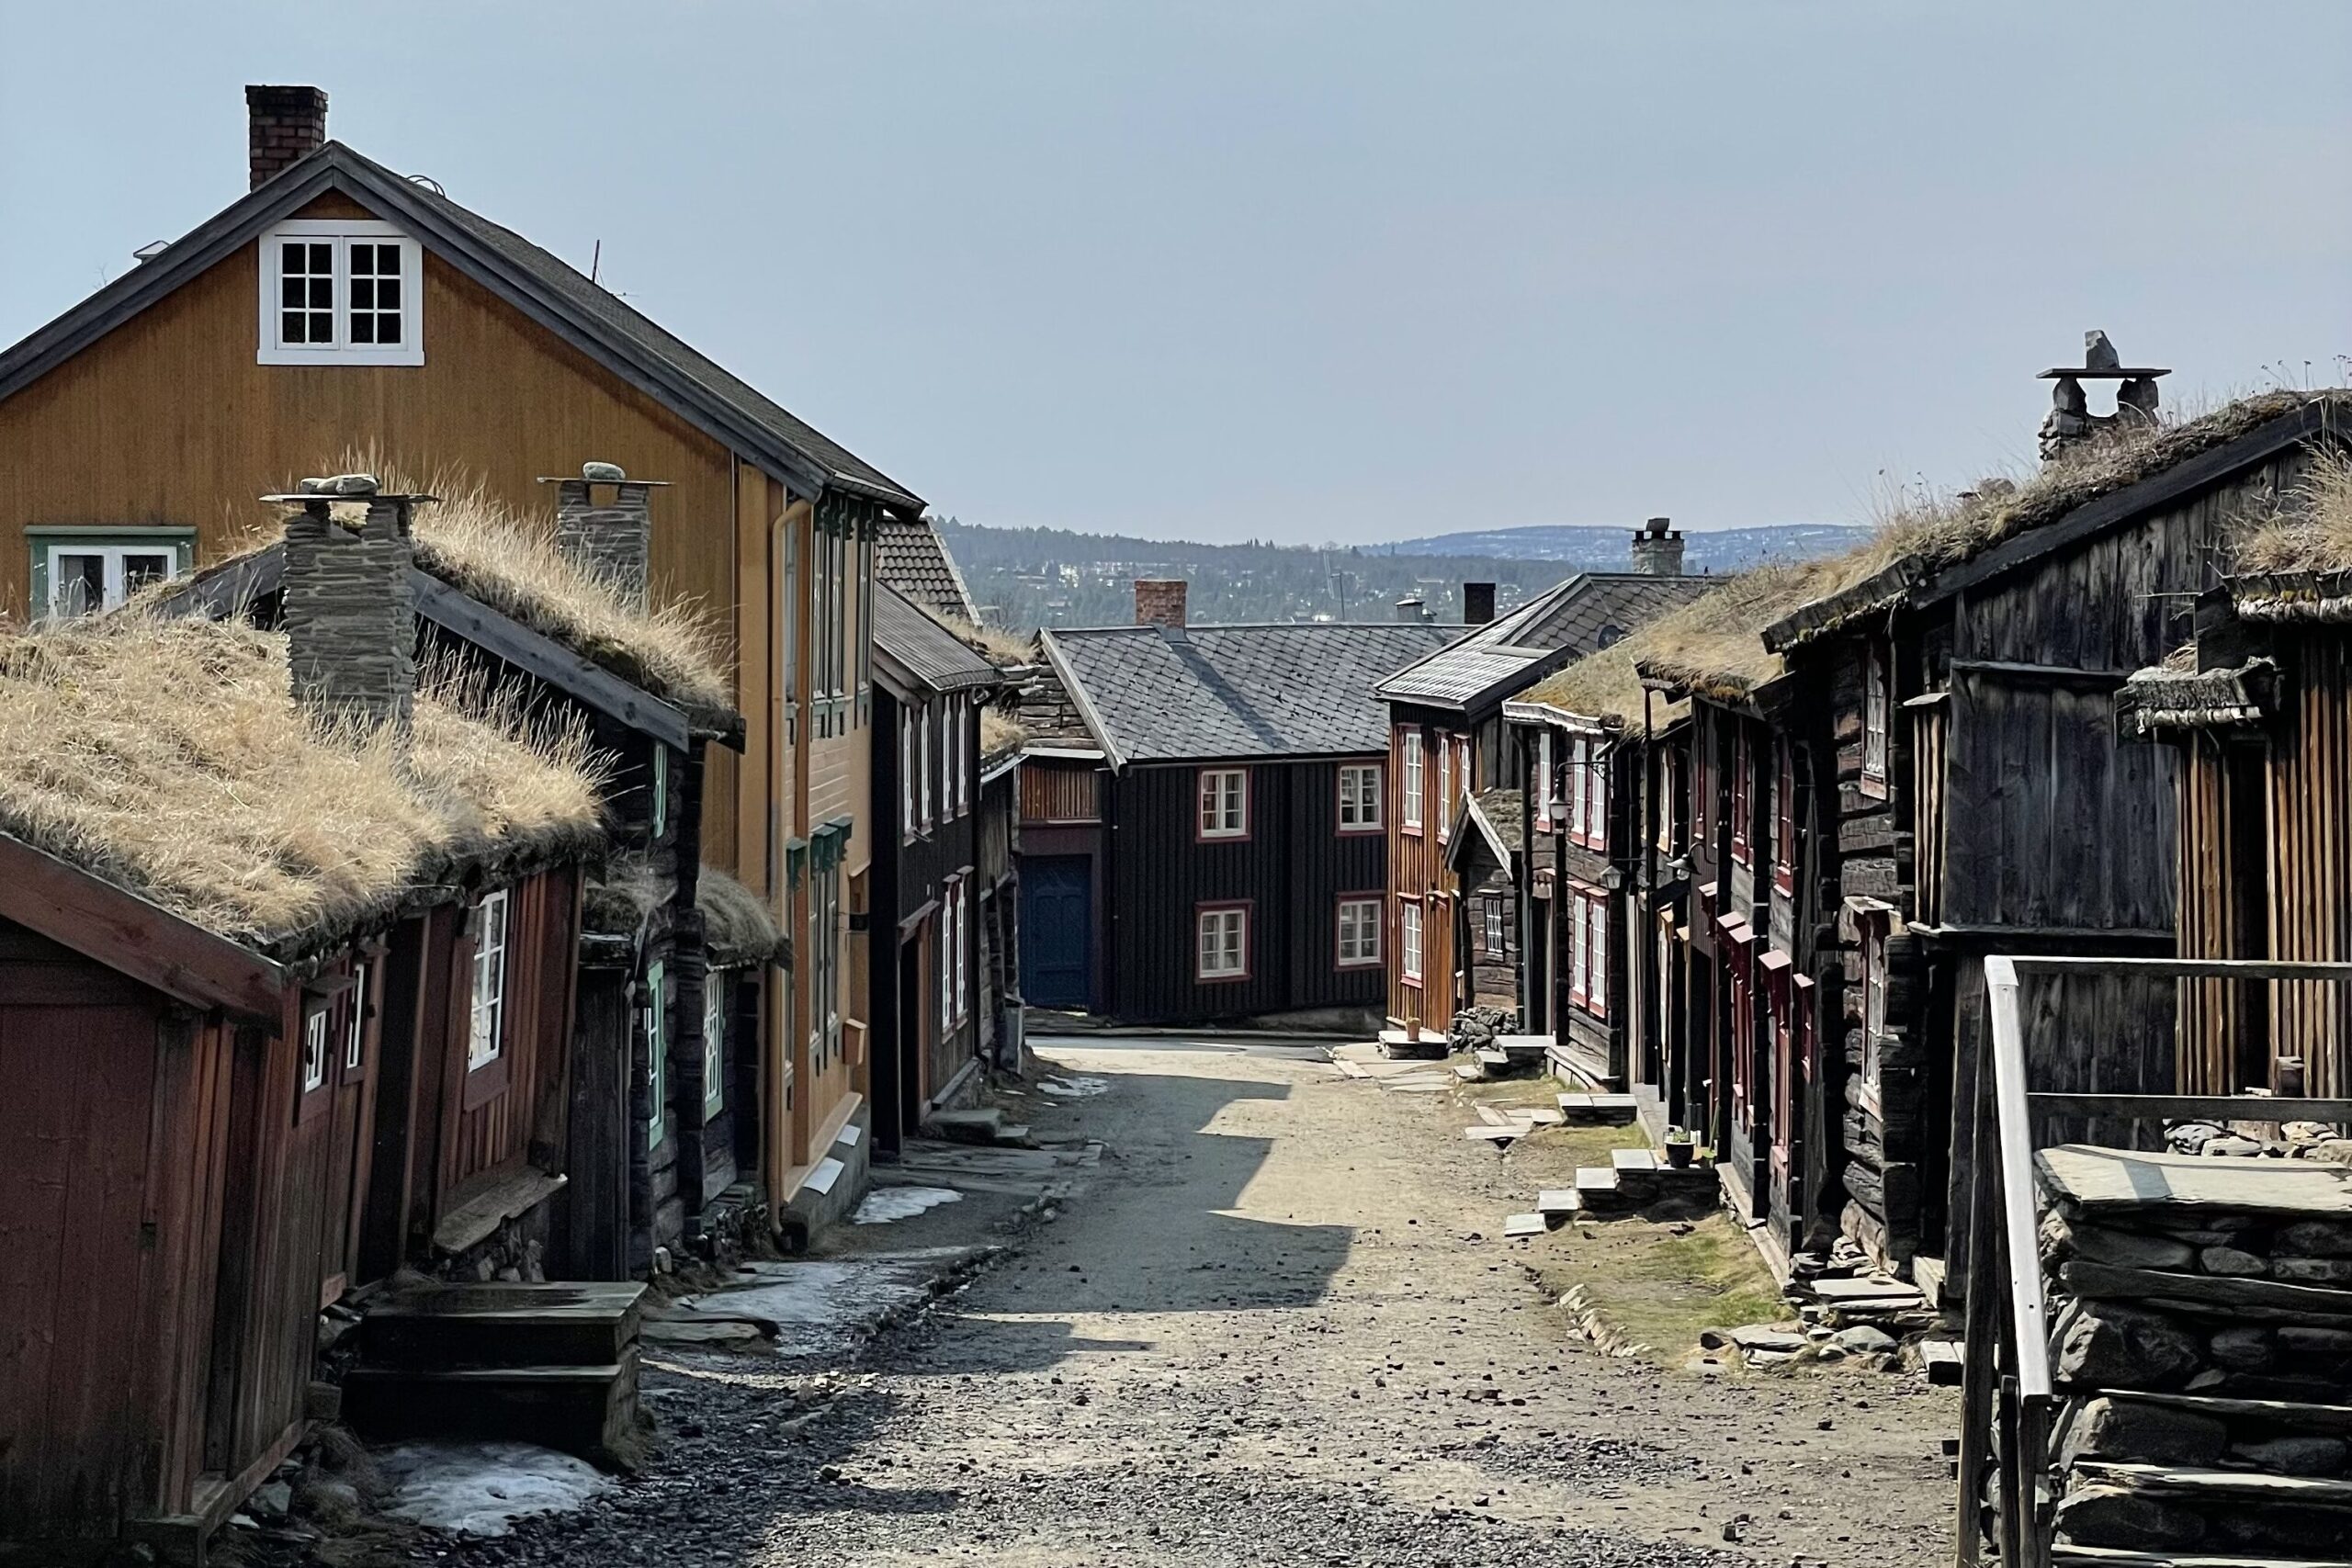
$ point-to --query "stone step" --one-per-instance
(1558, 1203)
(2118, 1557)
(1636, 1162)
(1497, 1136)
(1597, 1110)
(2254, 1487)
(445, 1327)
(588, 1411)
(1600, 1194)
(1396, 1043)
(1526, 1047)
(1885, 1295)
(1518, 1225)
(1490, 1057)
(1470, 1072)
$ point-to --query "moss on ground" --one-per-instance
(1660, 1288)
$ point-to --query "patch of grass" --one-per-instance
(1660, 1289)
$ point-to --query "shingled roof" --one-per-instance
(1567, 621)
(1160, 695)
(535, 281)
(911, 557)
(920, 651)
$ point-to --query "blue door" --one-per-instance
(1057, 932)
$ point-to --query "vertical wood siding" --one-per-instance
(2310, 814)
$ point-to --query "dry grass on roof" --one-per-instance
(1709, 644)
(167, 757)
(995, 644)
(740, 927)
(509, 561)
(2312, 529)
(1000, 732)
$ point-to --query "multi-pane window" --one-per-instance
(1588, 918)
(1498, 939)
(1225, 803)
(1873, 1005)
(657, 1052)
(1742, 766)
(1444, 788)
(355, 1026)
(485, 1038)
(1359, 797)
(1784, 820)
(961, 990)
(946, 957)
(923, 750)
(1877, 703)
(910, 782)
(1575, 789)
(340, 291)
(1408, 938)
(1410, 807)
(826, 912)
(714, 1045)
(1359, 932)
(88, 574)
(1224, 944)
(314, 1049)
(951, 759)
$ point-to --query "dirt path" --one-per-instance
(1261, 1337)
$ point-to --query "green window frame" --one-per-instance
(657, 1051)
(661, 790)
(111, 545)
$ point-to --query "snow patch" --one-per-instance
(1073, 1086)
(884, 1204)
(482, 1488)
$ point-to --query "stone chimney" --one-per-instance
(611, 539)
(1657, 548)
(1478, 603)
(283, 125)
(1412, 610)
(1159, 602)
(2070, 418)
(350, 610)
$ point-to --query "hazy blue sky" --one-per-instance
(1311, 271)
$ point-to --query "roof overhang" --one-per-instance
(1063, 671)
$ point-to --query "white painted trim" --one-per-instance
(271, 351)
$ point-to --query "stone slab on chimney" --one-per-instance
(283, 126)
(1657, 548)
(1159, 602)
(611, 541)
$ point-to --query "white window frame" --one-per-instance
(1409, 809)
(963, 989)
(714, 1043)
(1360, 798)
(923, 746)
(907, 782)
(1878, 718)
(1224, 803)
(341, 233)
(1874, 978)
(1547, 785)
(1498, 930)
(486, 1035)
(1359, 933)
(315, 1050)
(1597, 963)
(114, 555)
(963, 756)
(657, 1052)
(1408, 938)
(1596, 822)
(1444, 789)
(1221, 943)
(354, 1040)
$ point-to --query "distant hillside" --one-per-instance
(1052, 577)
(1711, 551)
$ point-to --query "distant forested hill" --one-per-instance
(1052, 577)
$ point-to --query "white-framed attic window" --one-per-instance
(78, 569)
(341, 291)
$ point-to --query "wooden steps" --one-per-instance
(2254, 1487)
(2115, 1557)
(1597, 1110)
(553, 1364)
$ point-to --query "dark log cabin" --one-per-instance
(1242, 862)
(1448, 741)
(320, 1038)
(1983, 803)
(930, 689)
(1060, 846)
(2259, 709)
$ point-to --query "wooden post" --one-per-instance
(1984, 1326)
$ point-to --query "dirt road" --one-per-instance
(1261, 1336)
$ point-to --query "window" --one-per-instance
(1702, 789)
(1359, 797)
(951, 759)
(1224, 944)
(1741, 766)
(923, 747)
(1873, 1007)
(959, 939)
(1408, 941)
(1595, 814)
(1497, 926)
(714, 1045)
(1669, 776)
(1588, 919)
(1546, 793)
(963, 719)
(1410, 807)
(1784, 820)
(657, 1053)
(486, 1038)
(1876, 705)
(314, 1049)
(825, 943)
(1225, 803)
(1359, 932)
(660, 791)
(355, 1028)
(1580, 962)
(945, 941)
(75, 571)
(909, 784)
(341, 291)
(1444, 788)
(1576, 749)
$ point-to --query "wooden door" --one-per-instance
(1058, 932)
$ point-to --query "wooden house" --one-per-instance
(1238, 866)
(928, 1004)
(2257, 708)
(1448, 742)
(1983, 804)
(280, 1015)
(338, 302)
(1062, 845)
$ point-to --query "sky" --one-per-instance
(1312, 271)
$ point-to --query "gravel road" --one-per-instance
(1259, 1337)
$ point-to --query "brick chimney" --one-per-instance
(1657, 548)
(283, 125)
(1478, 603)
(350, 611)
(603, 521)
(1159, 602)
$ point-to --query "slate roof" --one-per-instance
(536, 281)
(922, 649)
(1152, 695)
(1581, 616)
(911, 557)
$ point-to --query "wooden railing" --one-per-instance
(2008, 1396)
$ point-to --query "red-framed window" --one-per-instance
(1222, 947)
(1444, 788)
(1587, 914)
(1784, 819)
(1357, 921)
(1780, 1030)
(1411, 769)
(1878, 713)
(1742, 771)
(1702, 786)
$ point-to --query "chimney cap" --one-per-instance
(602, 474)
(2100, 363)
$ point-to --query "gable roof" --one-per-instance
(535, 281)
(1567, 621)
(919, 651)
(909, 555)
(1491, 817)
(1158, 694)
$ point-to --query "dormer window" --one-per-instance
(341, 291)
